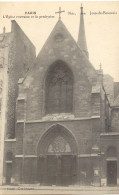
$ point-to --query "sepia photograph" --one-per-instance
(59, 97)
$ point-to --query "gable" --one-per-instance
(61, 46)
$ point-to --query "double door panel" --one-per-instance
(57, 170)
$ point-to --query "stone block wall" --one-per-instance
(21, 57)
(85, 132)
(115, 119)
(108, 83)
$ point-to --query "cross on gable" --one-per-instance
(59, 12)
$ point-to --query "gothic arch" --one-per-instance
(59, 136)
(59, 88)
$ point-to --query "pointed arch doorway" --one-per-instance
(57, 161)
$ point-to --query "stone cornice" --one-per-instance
(10, 140)
(61, 119)
(110, 134)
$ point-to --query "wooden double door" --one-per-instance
(112, 173)
(59, 170)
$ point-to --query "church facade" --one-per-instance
(61, 126)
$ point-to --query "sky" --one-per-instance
(102, 30)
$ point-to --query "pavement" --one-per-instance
(70, 190)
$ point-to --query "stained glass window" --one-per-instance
(59, 89)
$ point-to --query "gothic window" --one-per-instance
(59, 89)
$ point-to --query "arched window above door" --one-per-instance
(59, 89)
(57, 139)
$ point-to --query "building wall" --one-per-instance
(4, 49)
(108, 83)
(115, 119)
(21, 56)
(18, 53)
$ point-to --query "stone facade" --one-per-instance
(48, 143)
(17, 55)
